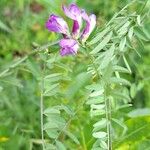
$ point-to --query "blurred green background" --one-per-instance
(22, 28)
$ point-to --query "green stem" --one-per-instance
(41, 115)
(82, 136)
(107, 106)
(108, 118)
(83, 140)
(42, 106)
(92, 61)
(69, 121)
(116, 15)
(141, 11)
(35, 51)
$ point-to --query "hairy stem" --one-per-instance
(108, 117)
(42, 106)
(41, 113)
(107, 105)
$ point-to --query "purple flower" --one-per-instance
(68, 47)
(74, 12)
(90, 25)
(57, 24)
(69, 44)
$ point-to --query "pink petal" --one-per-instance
(68, 47)
(90, 25)
(74, 12)
(67, 42)
(57, 24)
(67, 12)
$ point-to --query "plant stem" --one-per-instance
(120, 12)
(42, 106)
(108, 117)
(141, 11)
(41, 113)
(107, 105)
(92, 61)
(35, 51)
(83, 140)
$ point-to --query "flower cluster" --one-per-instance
(69, 44)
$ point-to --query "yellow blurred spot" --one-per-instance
(124, 147)
(36, 27)
(65, 101)
(3, 139)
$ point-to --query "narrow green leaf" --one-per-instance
(130, 33)
(50, 79)
(108, 57)
(103, 145)
(122, 44)
(119, 81)
(51, 89)
(95, 87)
(124, 106)
(51, 111)
(120, 69)
(97, 93)
(123, 30)
(126, 63)
(99, 36)
(98, 106)
(102, 44)
(101, 123)
(139, 112)
(97, 100)
(12, 81)
(141, 34)
(34, 68)
(50, 146)
(60, 145)
(73, 137)
(139, 20)
(140, 44)
(128, 43)
(52, 133)
(57, 119)
(99, 135)
(117, 74)
(4, 73)
(68, 110)
(97, 112)
(138, 128)
(120, 124)
(121, 95)
(52, 75)
(50, 125)
(133, 90)
(4, 27)
(18, 62)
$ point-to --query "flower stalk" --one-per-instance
(41, 114)
(42, 105)
(108, 118)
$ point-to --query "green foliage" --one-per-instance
(84, 101)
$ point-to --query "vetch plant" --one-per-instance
(104, 52)
(107, 51)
